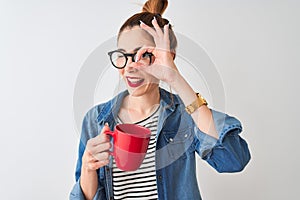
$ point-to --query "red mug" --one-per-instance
(130, 144)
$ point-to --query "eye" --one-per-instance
(118, 55)
(146, 55)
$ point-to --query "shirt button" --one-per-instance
(185, 135)
(159, 177)
(171, 140)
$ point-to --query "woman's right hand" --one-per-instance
(96, 153)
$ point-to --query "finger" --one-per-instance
(147, 28)
(166, 35)
(94, 149)
(157, 27)
(103, 162)
(101, 138)
(91, 158)
(103, 147)
(143, 50)
(149, 69)
(98, 164)
(105, 128)
(101, 156)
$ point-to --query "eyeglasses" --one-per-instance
(119, 59)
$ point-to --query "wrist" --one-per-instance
(199, 102)
(87, 170)
(175, 81)
(184, 90)
(88, 182)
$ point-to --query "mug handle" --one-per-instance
(112, 134)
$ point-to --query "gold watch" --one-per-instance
(200, 101)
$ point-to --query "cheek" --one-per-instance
(121, 71)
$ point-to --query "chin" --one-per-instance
(142, 90)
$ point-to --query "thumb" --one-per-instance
(104, 129)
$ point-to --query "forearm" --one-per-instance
(202, 116)
(89, 183)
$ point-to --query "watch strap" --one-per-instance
(200, 101)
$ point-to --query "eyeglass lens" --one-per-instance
(119, 59)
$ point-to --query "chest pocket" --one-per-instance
(179, 144)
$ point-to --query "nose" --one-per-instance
(130, 59)
(130, 66)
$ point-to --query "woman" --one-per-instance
(181, 124)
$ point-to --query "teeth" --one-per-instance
(134, 80)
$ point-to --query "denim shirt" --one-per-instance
(177, 140)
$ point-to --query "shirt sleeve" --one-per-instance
(89, 130)
(228, 153)
(76, 193)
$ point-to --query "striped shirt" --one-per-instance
(139, 184)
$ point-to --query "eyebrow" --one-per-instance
(134, 50)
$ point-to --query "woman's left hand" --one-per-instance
(163, 67)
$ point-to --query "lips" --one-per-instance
(134, 81)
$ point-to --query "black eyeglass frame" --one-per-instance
(126, 55)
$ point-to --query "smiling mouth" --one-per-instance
(134, 82)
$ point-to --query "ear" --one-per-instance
(173, 54)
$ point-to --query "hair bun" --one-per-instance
(155, 6)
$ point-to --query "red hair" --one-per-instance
(151, 9)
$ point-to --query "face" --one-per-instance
(137, 81)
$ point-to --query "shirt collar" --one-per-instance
(110, 110)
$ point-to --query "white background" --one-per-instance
(43, 45)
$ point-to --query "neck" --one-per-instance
(137, 108)
(143, 104)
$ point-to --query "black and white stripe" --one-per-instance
(139, 184)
